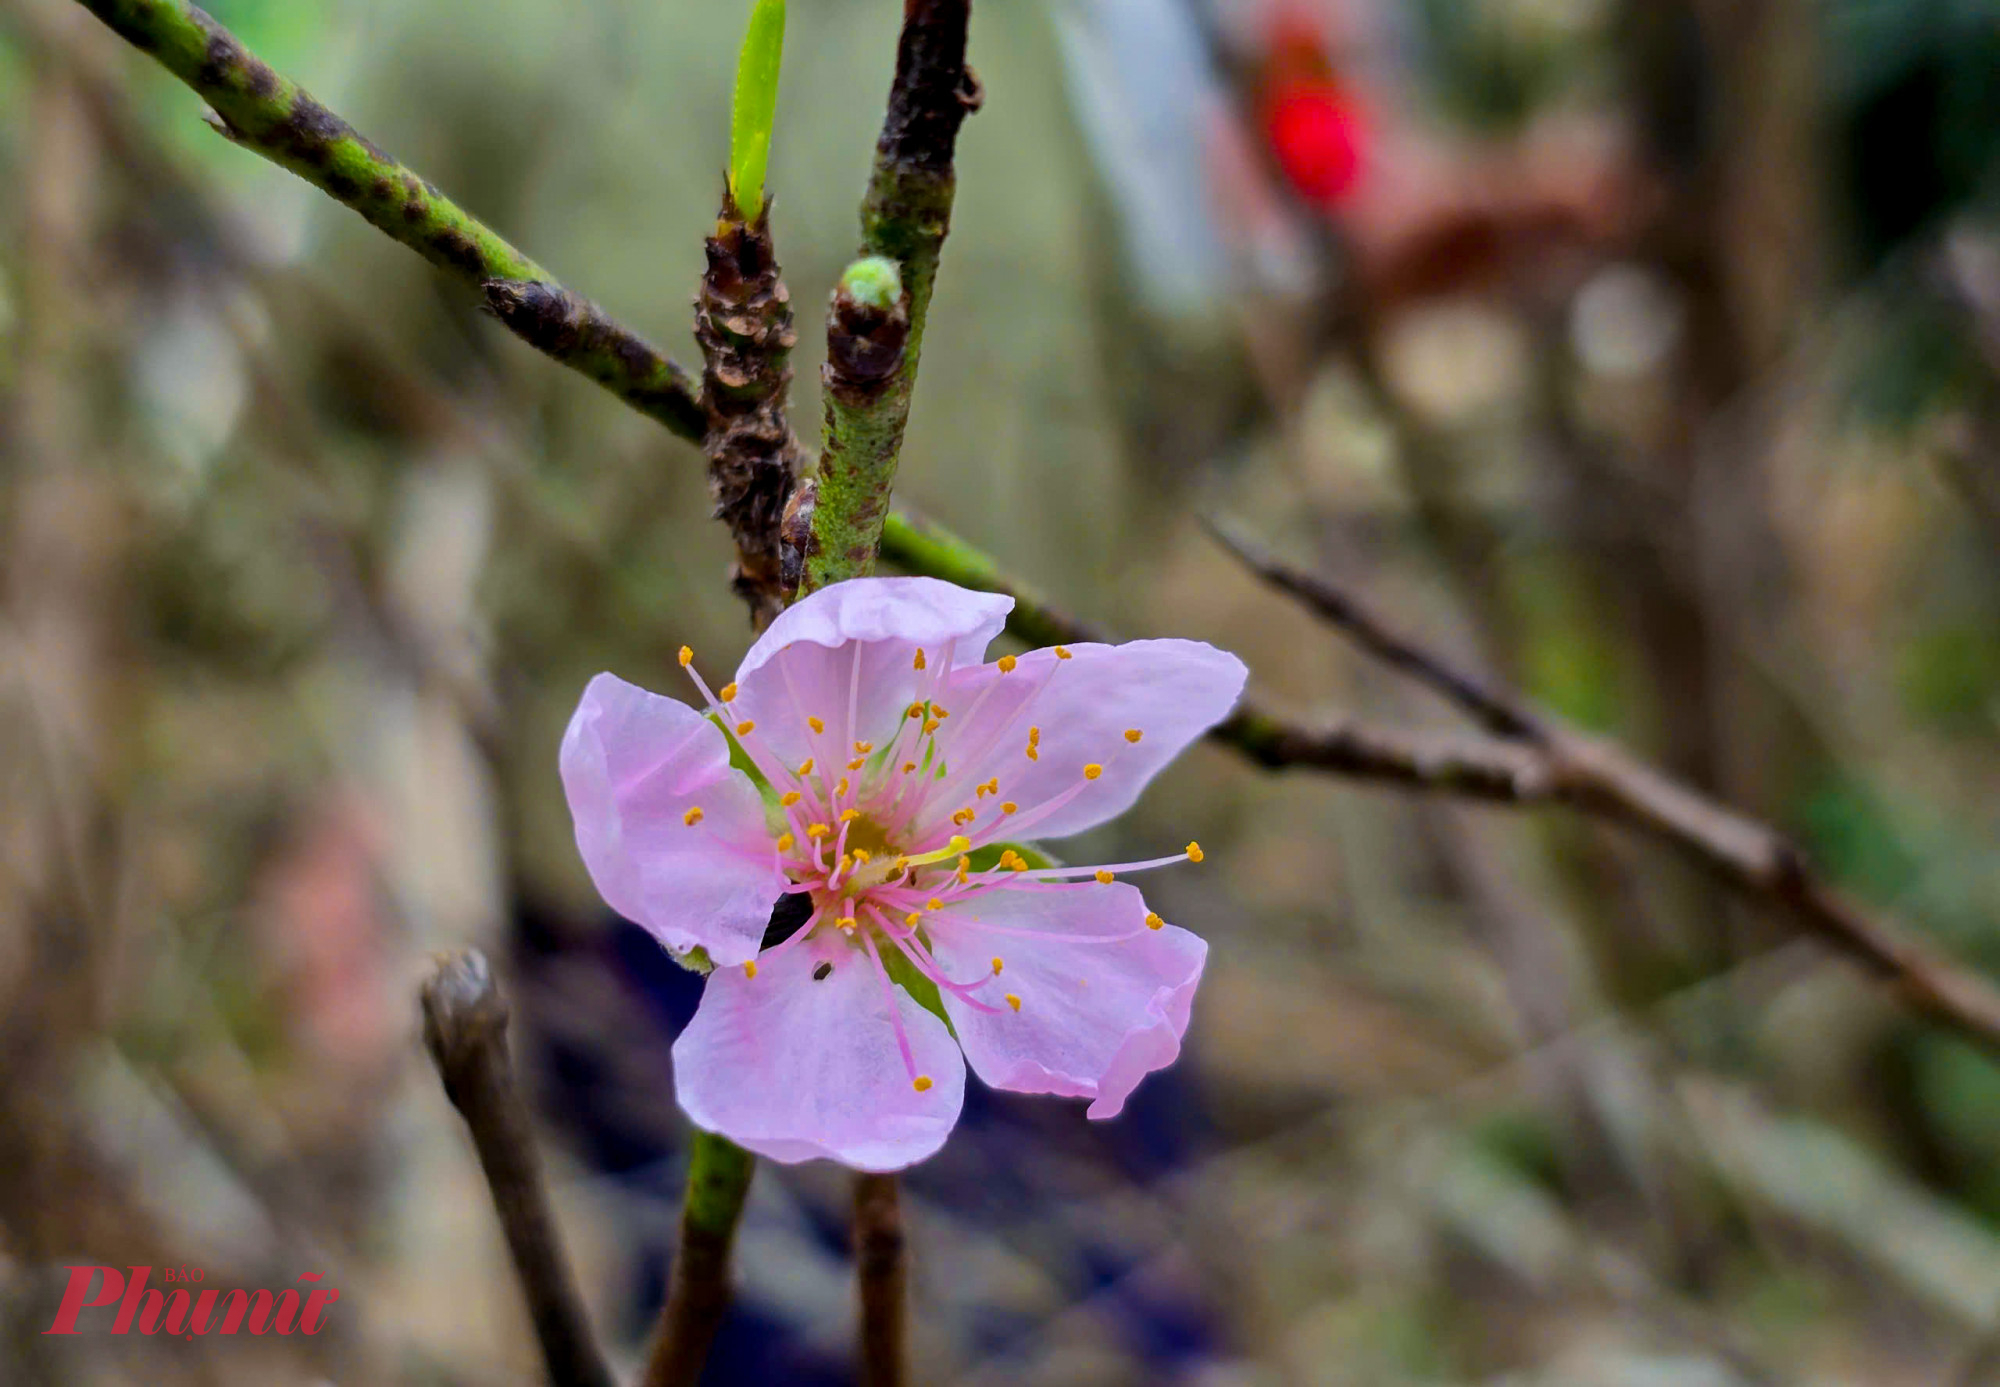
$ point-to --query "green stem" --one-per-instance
(271, 115)
(904, 219)
(719, 1174)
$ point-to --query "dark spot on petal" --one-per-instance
(820, 973)
(381, 190)
(787, 916)
(456, 248)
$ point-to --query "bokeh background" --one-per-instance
(1641, 353)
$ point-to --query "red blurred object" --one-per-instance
(1319, 137)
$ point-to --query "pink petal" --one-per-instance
(1095, 1018)
(795, 1068)
(634, 764)
(1170, 691)
(811, 651)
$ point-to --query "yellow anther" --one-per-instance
(790, 798)
(750, 969)
(692, 817)
(1194, 852)
(861, 854)
(1153, 920)
(1105, 877)
(930, 725)
(940, 713)
(846, 922)
(963, 817)
(1062, 652)
(997, 965)
(913, 919)
(818, 831)
(958, 842)
(1007, 663)
(916, 710)
(840, 787)
(687, 657)
(728, 694)
(1092, 771)
(964, 864)
(846, 862)
(857, 763)
(1019, 864)
(816, 725)
(1009, 807)
(1133, 734)
(863, 748)
(848, 816)
(922, 1083)
(909, 766)
(806, 767)
(1033, 755)
(919, 661)
(1013, 1001)
(933, 904)
(902, 864)
(786, 842)
(745, 727)
(993, 786)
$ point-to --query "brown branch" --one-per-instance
(465, 1030)
(1601, 779)
(698, 1291)
(881, 1273)
(1495, 710)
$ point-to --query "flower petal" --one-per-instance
(795, 1067)
(1095, 1018)
(805, 664)
(635, 765)
(1169, 691)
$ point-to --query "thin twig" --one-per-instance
(881, 1273)
(270, 115)
(698, 1293)
(1569, 769)
(1499, 713)
(465, 1030)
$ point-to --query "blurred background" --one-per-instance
(1641, 353)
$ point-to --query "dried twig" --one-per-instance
(881, 1272)
(270, 115)
(465, 1030)
(698, 1293)
(1498, 712)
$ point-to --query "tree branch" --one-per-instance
(698, 1294)
(904, 219)
(881, 1273)
(465, 1030)
(1563, 768)
(270, 115)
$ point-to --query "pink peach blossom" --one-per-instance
(890, 754)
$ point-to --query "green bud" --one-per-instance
(873, 281)
(756, 105)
